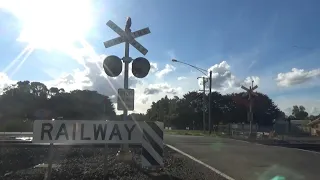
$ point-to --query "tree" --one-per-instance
(137, 117)
(231, 108)
(21, 103)
(299, 112)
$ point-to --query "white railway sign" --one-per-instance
(82, 132)
(127, 37)
(125, 99)
(85, 132)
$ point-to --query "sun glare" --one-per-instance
(52, 24)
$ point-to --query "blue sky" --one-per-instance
(239, 40)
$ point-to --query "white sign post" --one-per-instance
(125, 99)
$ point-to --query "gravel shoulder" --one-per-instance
(87, 163)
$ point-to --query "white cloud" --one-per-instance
(224, 81)
(248, 81)
(221, 76)
(93, 77)
(147, 93)
(287, 111)
(172, 54)
(160, 87)
(315, 110)
(181, 78)
(168, 68)
(113, 98)
(296, 76)
(5, 81)
(285, 103)
(144, 100)
(153, 67)
(252, 64)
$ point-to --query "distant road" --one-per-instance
(249, 161)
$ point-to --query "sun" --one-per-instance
(52, 24)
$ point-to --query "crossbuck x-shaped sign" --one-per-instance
(127, 37)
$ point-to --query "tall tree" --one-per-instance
(299, 112)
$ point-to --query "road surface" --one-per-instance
(249, 161)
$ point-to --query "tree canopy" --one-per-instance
(25, 101)
(299, 112)
(231, 108)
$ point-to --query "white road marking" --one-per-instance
(200, 162)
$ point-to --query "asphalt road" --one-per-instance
(249, 161)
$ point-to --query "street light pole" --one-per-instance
(205, 72)
(203, 103)
(250, 109)
(210, 85)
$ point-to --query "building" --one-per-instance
(300, 127)
(315, 127)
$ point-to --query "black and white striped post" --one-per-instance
(152, 145)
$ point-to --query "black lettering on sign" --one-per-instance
(46, 128)
(82, 133)
(62, 131)
(74, 128)
(99, 130)
(115, 132)
(129, 130)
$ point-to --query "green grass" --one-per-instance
(188, 132)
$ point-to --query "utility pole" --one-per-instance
(250, 93)
(203, 103)
(210, 85)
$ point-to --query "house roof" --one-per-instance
(300, 122)
(314, 122)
